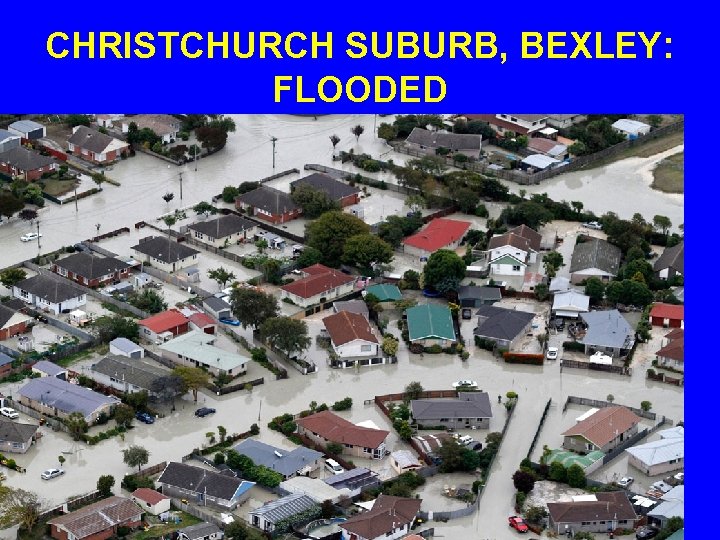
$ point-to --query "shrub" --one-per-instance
(520, 358)
(219, 458)
(434, 349)
(334, 448)
(342, 405)
(573, 346)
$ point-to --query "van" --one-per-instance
(333, 466)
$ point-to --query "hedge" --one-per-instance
(573, 346)
(521, 358)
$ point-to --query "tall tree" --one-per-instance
(443, 264)
(413, 391)
(194, 378)
(105, 484)
(135, 456)
(365, 250)
(357, 131)
(387, 131)
(9, 204)
(329, 233)
(28, 214)
(663, 223)
(18, 506)
(11, 276)
(76, 424)
(313, 202)
(309, 256)
(252, 307)
(595, 289)
(169, 387)
(109, 328)
(552, 262)
(212, 138)
(334, 139)
(285, 334)
(123, 415)
(221, 276)
(204, 207)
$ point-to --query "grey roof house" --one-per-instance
(27, 129)
(468, 410)
(269, 515)
(164, 253)
(356, 480)
(353, 306)
(127, 374)
(570, 304)
(90, 270)
(594, 258)
(336, 190)
(608, 332)
(672, 505)
(51, 294)
(230, 229)
(124, 347)
(269, 204)
(503, 326)
(15, 437)
(299, 460)
(671, 263)
(45, 368)
(202, 486)
(471, 296)
(29, 165)
(217, 307)
(201, 531)
(467, 144)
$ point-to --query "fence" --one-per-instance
(600, 404)
(222, 390)
(70, 506)
(54, 423)
(197, 511)
(620, 370)
(340, 174)
(154, 469)
(453, 514)
(539, 428)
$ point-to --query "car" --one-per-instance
(51, 473)
(467, 314)
(466, 440)
(29, 237)
(645, 532)
(465, 384)
(679, 477)
(593, 225)
(552, 353)
(518, 524)
(625, 481)
(9, 413)
(202, 412)
(231, 322)
(145, 417)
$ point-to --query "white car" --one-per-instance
(593, 225)
(51, 473)
(466, 440)
(625, 481)
(552, 353)
(466, 383)
(9, 413)
(29, 237)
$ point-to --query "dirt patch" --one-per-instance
(669, 175)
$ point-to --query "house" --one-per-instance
(559, 284)
(672, 505)
(314, 488)
(325, 427)
(273, 240)
(340, 192)
(91, 145)
(672, 353)
(202, 322)
(385, 292)
(562, 121)
(44, 368)
(539, 162)
(667, 315)
(107, 120)
(608, 332)
(425, 140)
(662, 456)
(8, 141)
(318, 285)
(54, 397)
(96, 521)
(548, 147)
(389, 518)
(201, 531)
(521, 243)
(351, 335)
(440, 233)
(124, 347)
(468, 410)
(49, 294)
(6, 362)
(91, 271)
(511, 124)
(15, 437)
(601, 513)
(12, 323)
(570, 304)
(355, 480)
(164, 253)
(278, 512)
(269, 204)
(298, 461)
(594, 258)
(217, 307)
(151, 501)
(163, 125)
(163, 326)
(602, 430)
(202, 486)
(196, 349)
(502, 326)
(27, 164)
(404, 461)
(353, 306)
(430, 324)
(471, 296)
(127, 375)
(632, 129)
(223, 231)
(27, 129)
(671, 263)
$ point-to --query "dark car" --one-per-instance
(202, 412)
(145, 417)
(645, 532)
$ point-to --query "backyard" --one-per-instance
(669, 174)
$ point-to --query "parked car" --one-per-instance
(145, 417)
(466, 440)
(679, 477)
(29, 237)
(593, 225)
(465, 383)
(645, 532)
(51, 473)
(467, 314)
(552, 353)
(625, 481)
(231, 322)
(202, 412)
(9, 413)
(518, 524)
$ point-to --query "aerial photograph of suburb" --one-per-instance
(341, 327)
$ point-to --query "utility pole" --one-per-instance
(274, 140)
(76, 207)
(181, 185)
(375, 125)
(260, 409)
(195, 149)
(38, 236)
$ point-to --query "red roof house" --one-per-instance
(673, 352)
(389, 517)
(151, 501)
(203, 322)
(440, 233)
(167, 324)
(96, 521)
(319, 284)
(667, 315)
(603, 430)
(325, 427)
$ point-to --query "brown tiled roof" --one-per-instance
(674, 350)
(320, 279)
(601, 427)
(675, 333)
(509, 239)
(149, 495)
(98, 516)
(346, 326)
(388, 513)
(532, 236)
(611, 506)
(333, 428)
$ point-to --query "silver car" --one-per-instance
(51, 473)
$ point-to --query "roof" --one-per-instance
(443, 139)
(287, 463)
(677, 535)
(5, 134)
(481, 293)
(85, 265)
(163, 249)
(314, 488)
(91, 139)
(336, 429)
(596, 253)
(197, 480)
(405, 458)
(334, 189)
(320, 279)
(216, 304)
(430, 321)
(352, 479)
(559, 284)
(284, 508)
(7, 313)
(385, 292)
(25, 126)
(610, 506)
(149, 496)
(52, 290)
(125, 345)
(674, 350)
(65, 396)
(499, 122)
(201, 320)
(625, 124)
(608, 329)
(160, 124)
(509, 239)
(130, 370)
(354, 306)
(48, 367)
(540, 161)
(571, 300)
(546, 146)
(668, 311)
(387, 514)
(200, 530)
(673, 504)
(5, 359)
(439, 233)
(270, 200)
(98, 517)
(532, 236)
(501, 323)
(672, 257)
(603, 426)
(657, 452)
(466, 405)
(677, 432)
(197, 346)
(24, 159)
(162, 322)
(15, 432)
(345, 327)
(14, 304)
(223, 226)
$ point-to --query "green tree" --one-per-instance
(148, 300)
(123, 415)
(577, 206)
(645, 405)
(135, 456)
(523, 481)
(221, 276)
(220, 121)
(313, 202)
(193, 378)
(236, 530)
(413, 391)
(576, 476)
(72, 120)
(663, 223)
(309, 256)
(11, 276)
(204, 207)
(105, 484)
(285, 334)
(552, 261)
(222, 433)
(387, 131)
(655, 120)
(558, 472)
(329, 233)
(168, 388)
(229, 194)
(212, 138)
(252, 307)
(530, 213)
(9, 204)
(334, 140)
(357, 131)
(366, 250)
(18, 506)
(542, 292)
(443, 264)
(76, 424)
(595, 289)
(390, 345)
(334, 448)
(466, 199)
(111, 327)
(28, 214)
(137, 400)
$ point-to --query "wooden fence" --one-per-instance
(600, 404)
(539, 428)
(620, 370)
(70, 506)
(154, 469)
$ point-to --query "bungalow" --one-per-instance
(430, 141)
(202, 486)
(440, 233)
(511, 124)
(672, 505)
(325, 427)
(12, 323)
(91, 271)
(163, 125)
(298, 461)
(430, 324)
(201, 531)
(403, 461)
(353, 306)
(594, 258)
(471, 296)
(562, 121)
(314, 488)
(44, 368)
(389, 518)
(502, 326)
(202, 322)
(570, 304)
(509, 254)
(672, 354)
(355, 480)
(602, 430)
(128, 375)
(163, 326)
(196, 349)
(667, 315)
(217, 307)
(54, 397)
(385, 292)
(548, 147)
(351, 335)
(269, 204)
(601, 513)
(223, 231)
(662, 456)
(6, 362)
(26, 164)
(468, 410)
(49, 294)
(91, 145)
(8, 141)
(340, 192)
(632, 129)
(97, 521)
(318, 285)
(151, 501)
(28, 130)
(608, 332)
(278, 512)
(124, 347)
(671, 263)
(164, 253)
(15, 437)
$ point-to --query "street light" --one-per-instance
(273, 140)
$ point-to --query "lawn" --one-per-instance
(646, 149)
(156, 531)
(55, 187)
(669, 175)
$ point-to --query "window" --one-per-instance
(62, 272)
(513, 119)
(366, 348)
(444, 419)
(199, 235)
(516, 268)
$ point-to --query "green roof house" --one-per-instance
(430, 324)
(385, 292)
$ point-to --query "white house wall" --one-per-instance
(507, 270)
(355, 348)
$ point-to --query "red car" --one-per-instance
(518, 524)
